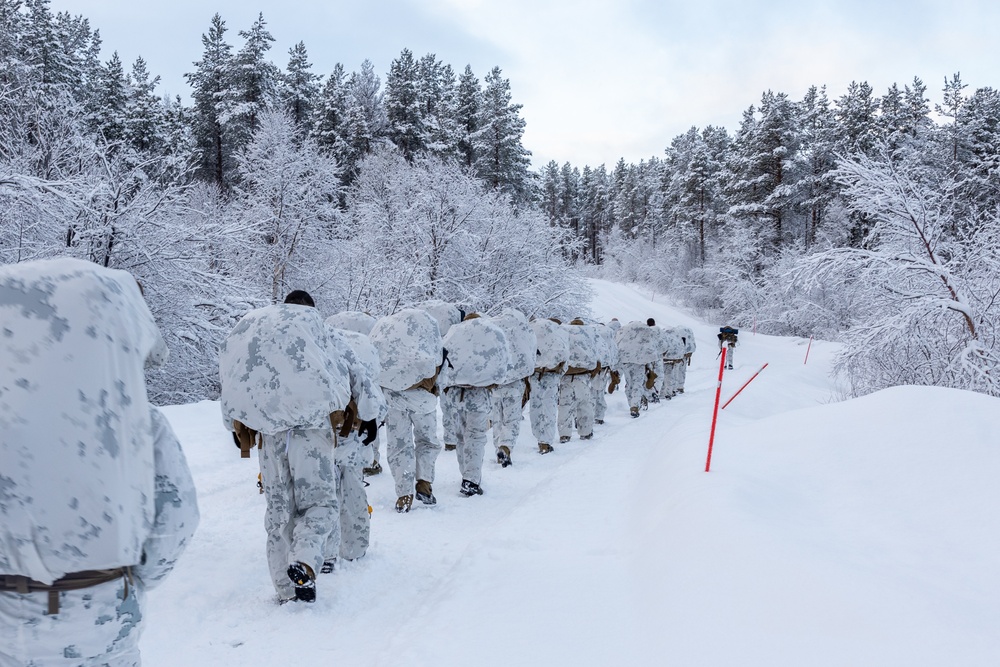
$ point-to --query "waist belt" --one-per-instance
(74, 581)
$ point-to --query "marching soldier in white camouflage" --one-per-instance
(509, 397)
(284, 382)
(447, 315)
(576, 394)
(673, 361)
(607, 378)
(350, 535)
(543, 384)
(477, 362)
(410, 352)
(687, 335)
(638, 348)
(96, 499)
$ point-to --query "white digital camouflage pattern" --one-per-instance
(599, 386)
(522, 345)
(411, 442)
(634, 379)
(610, 349)
(638, 343)
(614, 325)
(74, 419)
(508, 412)
(553, 344)
(543, 406)
(584, 343)
(449, 423)
(472, 407)
(279, 371)
(689, 343)
(409, 348)
(350, 535)
(576, 405)
(352, 320)
(363, 367)
(300, 488)
(477, 354)
(101, 471)
(446, 314)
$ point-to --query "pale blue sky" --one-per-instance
(599, 79)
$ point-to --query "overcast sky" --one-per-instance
(598, 79)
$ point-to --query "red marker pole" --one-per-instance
(809, 347)
(715, 413)
(742, 388)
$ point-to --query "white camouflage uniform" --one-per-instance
(91, 475)
(508, 397)
(446, 315)
(409, 349)
(552, 356)
(350, 535)
(283, 377)
(609, 363)
(673, 361)
(638, 347)
(477, 361)
(576, 393)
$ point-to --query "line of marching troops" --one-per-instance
(289, 377)
(97, 502)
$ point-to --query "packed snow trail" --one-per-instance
(798, 548)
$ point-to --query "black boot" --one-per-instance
(470, 489)
(305, 581)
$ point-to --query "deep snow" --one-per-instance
(827, 533)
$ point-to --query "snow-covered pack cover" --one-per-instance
(584, 345)
(638, 343)
(409, 348)
(522, 346)
(446, 314)
(477, 354)
(609, 349)
(279, 371)
(671, 343)
(614, 325)
(688, 335)
(363, 364)
(553, 344)
(352, 320)
(74, 418)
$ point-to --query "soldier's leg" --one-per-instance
(507, 412)
(583, 397)
(355, 521)
(99, 625)
(476, 409)
(426, 444)
(399, 451)
(277, 479)
(310, 460)
(600, 389)
(449, 418)
(567, 412)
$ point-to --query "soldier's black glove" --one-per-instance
(236, 439)
(368, 431)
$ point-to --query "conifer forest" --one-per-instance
(872, 218)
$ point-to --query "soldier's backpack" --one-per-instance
(638, 343)
(477, 354)
(446, 314)
(728, 335)
(522, 344)
(409, 348)
(553, 346)
(352, 320)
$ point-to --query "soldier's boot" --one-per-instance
(403, 504)
(598, 421)
(643, 403)
(503, 456)
(544, 448)
(564, 438)
(470, 489)
(328, 566)
(587, 437)
(634, 411)
(654, 397)
(424, 493)
(448, 447)
(374, 469)
(304, 579)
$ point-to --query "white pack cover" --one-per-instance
(279, 371)
(671, 343)
(352, 320)
(364, 367)
(522, 346)
(409, 348)
(609, 349)
(638, 343)
(614, 325)
(477, 354)
(446, 314)
(553, 343)
(688, 336)
(76, 436)
(584, 345)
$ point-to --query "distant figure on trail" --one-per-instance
(728, 336)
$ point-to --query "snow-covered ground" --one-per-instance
(827, 533)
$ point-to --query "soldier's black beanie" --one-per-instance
(301, 298)
(651, 322)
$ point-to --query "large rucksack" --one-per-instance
(522, 345)
(638, 343)
(553, 346)
(409, 348)
(477, 354)
(728, 335)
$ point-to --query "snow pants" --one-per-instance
(297, 470)
(449, 422)
(95, 626)
(349, 537)
(576, 405)
(600, 386)
(507, 414)
(411, 445)
(544, 406)
(682, 371)
(634, 377)
(659, 383)
(472, 406)
(673, 382)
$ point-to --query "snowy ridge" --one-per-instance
(827, 533)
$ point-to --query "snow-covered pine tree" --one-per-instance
(210, 92)
(501, 160)
(300, 88)
(253, 88)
